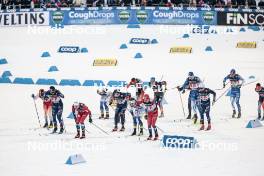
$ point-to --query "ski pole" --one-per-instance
(182, 105)
(100, 128)
(37, 112)
(160, 129)
(221, 95)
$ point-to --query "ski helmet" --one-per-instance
(52, 89)
(190, 74)
(152, 79)
(258, 87)
(232, 71)
(133, 80)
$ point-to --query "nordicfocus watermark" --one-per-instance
(197, 29)
(69, 30)
(201, 146)
(65, 146)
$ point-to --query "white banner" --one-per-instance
(24, 19)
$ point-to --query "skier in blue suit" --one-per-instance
(236, 82)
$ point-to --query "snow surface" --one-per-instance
(239, 151)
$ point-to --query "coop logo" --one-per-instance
(245, 19)
(124, 16)
(178, 141)
(142, 16)
(91, 15)
(57, 17)
(208, 17)
(176, 14)
(139, 41)
(69, 49)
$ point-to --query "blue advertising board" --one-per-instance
(133, 16)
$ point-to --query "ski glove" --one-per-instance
(146, 116)
(213, 102)
(90, 120)
(33, 96)
(224, 85)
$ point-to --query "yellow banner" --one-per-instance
(105, 62)
(246, 45)
(181, 49)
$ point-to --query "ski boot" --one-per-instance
(156, 137)
(262, 118)
(161, 115)
(195, 118)
(78, 134)
(61, 130)
(208, 127)
(102, 116)
(122, 129)
(114, 129)
(107, 115)
(83, 135)
(150, 137)
(259, 116)
(50, 125)
(141, 132)
(239, 115)
(55, 129)
(134, 132)
(45, 125)
(189, 116)
(234, 114)
(202, 127)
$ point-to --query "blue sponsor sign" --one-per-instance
(178, 141)
(139, 41)
(95, 16)
(69, 49)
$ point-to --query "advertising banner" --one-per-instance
(240, 18)
(24, 19)
(132, 16)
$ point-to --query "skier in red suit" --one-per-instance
(80, 112)
(151, 110)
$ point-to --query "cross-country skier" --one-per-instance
(139, 87)
(80, 111)
(159, 89)
(191, 83)
(260, 90)
(204, 105)
(151, 110)
(47, 106)
(57, 108)
(105, 95)
(236, 82)
(137, 111)
(120, 99)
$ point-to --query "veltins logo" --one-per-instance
(142, 16)
(57, 17)
(124, 16)
(208, 17)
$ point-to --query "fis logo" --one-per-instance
(139, 41)
(69, 49)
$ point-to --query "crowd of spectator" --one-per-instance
(17, 4)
